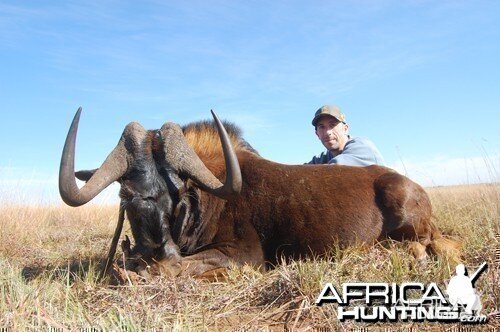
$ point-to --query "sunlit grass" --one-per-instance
(50, 257)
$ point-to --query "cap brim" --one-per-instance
(316, 118)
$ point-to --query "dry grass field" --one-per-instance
(50, 258)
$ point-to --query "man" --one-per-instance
(333, 132)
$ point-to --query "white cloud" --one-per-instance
(29, 186)
(444, 170)
(251, 124)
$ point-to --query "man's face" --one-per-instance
(332, 133)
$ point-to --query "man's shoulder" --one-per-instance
(360, 142)
(364, 150)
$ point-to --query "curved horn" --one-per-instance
(181, 157)
(112, 169)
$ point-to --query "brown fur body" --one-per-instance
(289, 211)
(298, 211)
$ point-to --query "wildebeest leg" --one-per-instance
(406, 210)
(214, 262)
(206, 264)
(418, 250)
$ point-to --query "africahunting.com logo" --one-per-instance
(410, 301)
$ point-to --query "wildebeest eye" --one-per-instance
(157, 144)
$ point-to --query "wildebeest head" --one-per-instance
(152, 168)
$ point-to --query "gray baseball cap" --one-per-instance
(331, 110)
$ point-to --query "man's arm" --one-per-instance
(323, 158)
(348, 160)
(358, 152)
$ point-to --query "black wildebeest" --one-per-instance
(184, 219)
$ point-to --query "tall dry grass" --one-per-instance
(50, 258)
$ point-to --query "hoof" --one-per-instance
(122, 276)
(170, 267)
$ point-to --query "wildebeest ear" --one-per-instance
(85, 175)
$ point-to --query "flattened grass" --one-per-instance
(50, 258)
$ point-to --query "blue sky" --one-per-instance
(419, 78)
